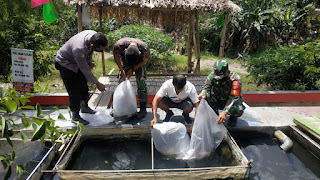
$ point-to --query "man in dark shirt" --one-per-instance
(131, 55)
(74, 61)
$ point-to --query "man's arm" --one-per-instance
(155, 104)
(86, 70)
(117, 59)
(206, 87)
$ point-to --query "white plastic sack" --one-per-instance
(170, 138)
(124, 100)
(206, 133)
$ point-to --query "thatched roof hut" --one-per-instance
(164, 12)
(157, 11)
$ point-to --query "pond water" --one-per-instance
(271, 162)
(134, 154)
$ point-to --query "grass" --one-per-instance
(178, 62)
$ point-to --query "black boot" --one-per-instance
(143, 110)
(187, 118)
(168, 116)
(86, 109)
(232, 121)
(76, 117)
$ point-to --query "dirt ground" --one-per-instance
(208, 64)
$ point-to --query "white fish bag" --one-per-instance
(206, 133)
(124, 100)
(170, 138)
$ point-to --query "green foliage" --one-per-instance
(288, 68)
(22, 25)
(11, 102)
(157, 42)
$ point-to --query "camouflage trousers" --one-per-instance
(141, 75)
(235, 107)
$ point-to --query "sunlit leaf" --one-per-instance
(20, 168)
(39, 133)
(28, 107)
(9, 105)
(24, 137)
(26, 122)
(37, 121)
(61, 117)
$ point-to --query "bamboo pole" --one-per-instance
(189, 43)
(79, 18)
(64, 29)
(227, 18)
(196, 41)
(102, 53)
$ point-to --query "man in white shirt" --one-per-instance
(175, 93)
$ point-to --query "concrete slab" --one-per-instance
(253, 116)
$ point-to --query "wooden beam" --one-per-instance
(102, 53)
(196, 41)
(79, 18)
(227, 18)
(189, 43)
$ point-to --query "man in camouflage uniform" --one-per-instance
(131, 55)
(222, 90)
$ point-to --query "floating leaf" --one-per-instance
(39, 133)
(24, 137)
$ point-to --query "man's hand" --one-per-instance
(91, 65)
(201, 96)
(153, 122)
(129, 74)
(101, 87)
(222, 117)
(123, 74)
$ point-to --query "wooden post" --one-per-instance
(196, 41)
(79, 18)
(227, 18)
(102, 53)
(54, 8)
(189, 43)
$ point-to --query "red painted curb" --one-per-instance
(249, 97)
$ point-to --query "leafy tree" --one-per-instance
(288, 68)
(42, 126)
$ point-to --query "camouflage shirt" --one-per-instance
(122, 44)
(220, 90)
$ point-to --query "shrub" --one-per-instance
(288, 68)
(158, 43)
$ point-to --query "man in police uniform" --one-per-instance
(74, 61)
(131, 55)
(222, 90)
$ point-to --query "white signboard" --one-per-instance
(22, 69)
